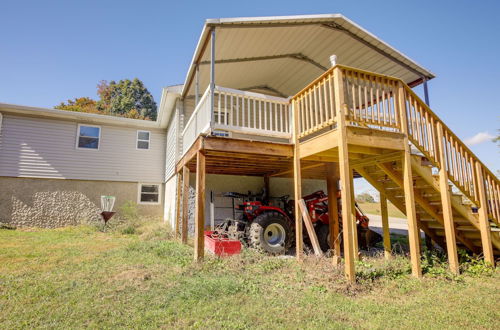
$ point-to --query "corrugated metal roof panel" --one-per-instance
(315, 37)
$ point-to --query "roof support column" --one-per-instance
(212, 73)
(197, 86)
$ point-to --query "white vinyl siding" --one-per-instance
(173, 141)
(45, 148)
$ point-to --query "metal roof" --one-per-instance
(284, 53)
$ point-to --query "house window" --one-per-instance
(143, 138)
(88, 137)
(149, 193)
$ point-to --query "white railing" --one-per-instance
(241, 112)
(198, 123)
(251, 113)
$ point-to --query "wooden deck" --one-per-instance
(350, 123)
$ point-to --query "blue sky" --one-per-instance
(51, 51)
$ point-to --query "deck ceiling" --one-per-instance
(284, 54)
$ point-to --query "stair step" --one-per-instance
(467, 228)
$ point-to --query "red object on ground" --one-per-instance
(221, 246)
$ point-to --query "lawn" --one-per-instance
(81, 277)
(374, 208)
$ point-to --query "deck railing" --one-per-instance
(241, 112)
(198, 123)
(372, 100)
(251, 113)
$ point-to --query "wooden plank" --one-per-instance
(199, 211)
(345, 177)
(178, 205)
(449, 226)
(483, 217)
(310, 228)
(375, 138)
(185, 200)
(332, 183)
(411, 214)
(297, 184)
(385, 225)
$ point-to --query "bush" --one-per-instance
(365, 198)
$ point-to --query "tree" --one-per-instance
(365, 198)
(126, 97)
(80, 104)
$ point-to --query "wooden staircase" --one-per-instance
(438, 182)
(388, 178)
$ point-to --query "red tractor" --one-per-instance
(270, 228)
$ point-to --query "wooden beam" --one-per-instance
(367, 137)
(345, 176)
(197, 145)
(248, 147)
(178, 205)
(199, 211)
(332, 183)
(297, 183)
(385, 225)
(444, 188)
(483, 217)
(384, 158)
(308, 167)
(185, 206)
(317, 144)
(411, 213)
(310, 228)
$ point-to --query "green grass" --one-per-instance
(81, 277)
(374, 208)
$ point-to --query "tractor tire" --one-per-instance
(323, 233)
(271, 232)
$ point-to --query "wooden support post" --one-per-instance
(345, 177)
(444, 187)
(353, 216)
(199, 212)
(385, 225)
(332, 183)
(310, 228)
(178, 205)
(297, 184)
(185, 200)
(411, 213)
(484, 225)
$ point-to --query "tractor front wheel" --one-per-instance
(271, 232)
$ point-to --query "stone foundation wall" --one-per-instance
(51, 203)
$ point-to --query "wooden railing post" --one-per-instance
(484, 224)
(411, 213)
(345, 178)
(444, 187)
(297, 183)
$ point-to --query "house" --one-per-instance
(291, 104)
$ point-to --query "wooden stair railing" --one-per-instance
(372, 101)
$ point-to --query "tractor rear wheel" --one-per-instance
(271, 232)
(323, 233)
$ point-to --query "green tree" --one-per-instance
(365, 198)
(129, 98)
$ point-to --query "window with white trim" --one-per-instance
(143, 138)
(88, 137)
(149, 193)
